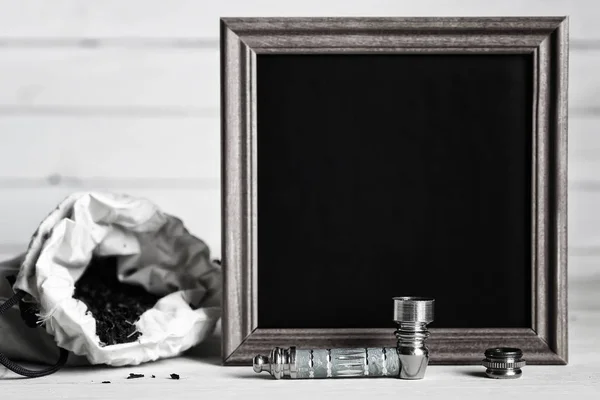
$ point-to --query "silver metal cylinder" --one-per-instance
(412, 314)
(329, 363)
(503, 363)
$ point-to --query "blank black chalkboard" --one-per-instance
(393, 175)
(367, 158)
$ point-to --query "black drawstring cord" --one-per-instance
(16, 368)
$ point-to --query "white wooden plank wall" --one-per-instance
(123, 95)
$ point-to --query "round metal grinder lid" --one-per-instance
(503, 363)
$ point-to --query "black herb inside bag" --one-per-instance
(114, 305)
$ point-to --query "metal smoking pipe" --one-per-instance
(408, 360)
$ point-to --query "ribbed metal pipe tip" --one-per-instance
(413, 309)
(503, 363)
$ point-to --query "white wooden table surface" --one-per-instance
(202, 376)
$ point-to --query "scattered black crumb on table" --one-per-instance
(105, 381)
(115, 306)
(135, 376)
(174, 376)
(153, 376)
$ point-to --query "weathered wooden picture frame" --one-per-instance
(545, 38)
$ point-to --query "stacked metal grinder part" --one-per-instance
(503, 363)
(407, 361)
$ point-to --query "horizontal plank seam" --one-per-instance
(91, 43)
(164, 112)
(111, 111)
(73, 182)
(209, 43)
(211, 182)
(575, 251)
